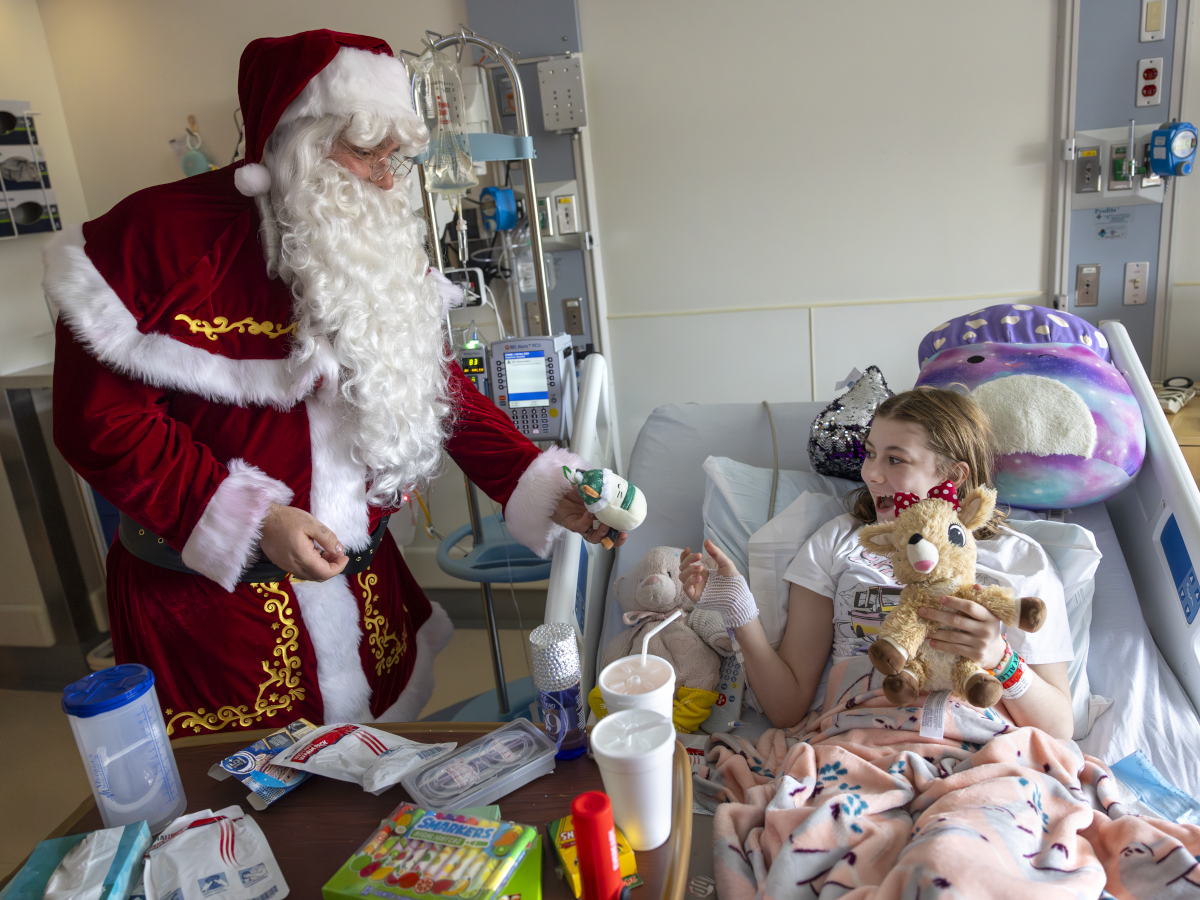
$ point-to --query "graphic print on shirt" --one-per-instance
(860, 606)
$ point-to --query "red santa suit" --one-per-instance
(174, 398)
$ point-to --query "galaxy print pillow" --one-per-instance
(1067, 429)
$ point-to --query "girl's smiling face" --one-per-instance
(899, 459)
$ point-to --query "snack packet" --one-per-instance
(253, 768)
(206, 854)
(361, 755)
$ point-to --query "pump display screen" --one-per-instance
(473, 365)
(525, 372)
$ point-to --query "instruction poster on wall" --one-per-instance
(27, 201)
(1112, 222)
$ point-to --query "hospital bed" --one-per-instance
(1144, 649)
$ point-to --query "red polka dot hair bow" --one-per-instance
(944, 491)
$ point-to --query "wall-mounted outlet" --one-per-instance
(573, 315)
(1087, 284)
(1087, 170)
(564, 211)
(1137, 276)
(1149, 81)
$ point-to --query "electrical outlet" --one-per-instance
(564, 210)
(1087, 170)
(1137, 275)
(573, 314)
(1087, 284)
(1149, 81)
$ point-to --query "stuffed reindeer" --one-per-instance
(932, 549)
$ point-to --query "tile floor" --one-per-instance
(43, 781)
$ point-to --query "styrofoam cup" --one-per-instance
(661, 699)
(634, 749)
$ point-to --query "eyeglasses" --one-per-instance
(396, 162)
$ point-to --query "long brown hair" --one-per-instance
(958, 431)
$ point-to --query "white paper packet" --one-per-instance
(206, 855)
(358, 754)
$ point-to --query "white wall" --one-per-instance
(26, 332)
(131, 71)
(781, 154)
(26, 335)
(1183, 325)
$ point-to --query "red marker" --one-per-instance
(596, 845)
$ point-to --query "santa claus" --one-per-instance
(250, 365)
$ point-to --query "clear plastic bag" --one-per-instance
(449, 169)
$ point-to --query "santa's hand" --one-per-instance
(726, 591)
(290, 538)
(572, 514)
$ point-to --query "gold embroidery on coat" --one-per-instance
(221, 325)
(282, 686)
(385, 647)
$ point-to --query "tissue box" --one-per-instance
(123, 872)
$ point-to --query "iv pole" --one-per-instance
(502, 55)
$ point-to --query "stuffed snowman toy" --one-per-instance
(610, 498)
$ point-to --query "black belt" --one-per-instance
(149, 547)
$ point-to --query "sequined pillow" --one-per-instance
(835, 445)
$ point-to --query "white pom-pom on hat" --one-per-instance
(252, 179)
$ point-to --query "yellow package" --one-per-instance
(562, 839)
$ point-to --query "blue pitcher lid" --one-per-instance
(106, 690)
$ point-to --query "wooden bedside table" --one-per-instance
(1185, 425)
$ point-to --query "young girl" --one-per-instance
(918, 440)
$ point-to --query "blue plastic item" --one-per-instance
(106, 690)
(1137, 773)
(1173, 149)
(499, 208)
(496, 558)
(488, 147)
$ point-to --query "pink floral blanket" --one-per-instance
(854, 802)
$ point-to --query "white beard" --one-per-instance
(354, 257)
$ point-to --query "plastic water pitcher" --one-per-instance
(119, 728)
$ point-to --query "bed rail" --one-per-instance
(579, 570)
(1157, 520)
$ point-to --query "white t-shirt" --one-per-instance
(833, 564)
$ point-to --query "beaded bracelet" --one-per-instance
(1011, 663)
(1006, 661)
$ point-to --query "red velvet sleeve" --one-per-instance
(483, 441)
(117, 434)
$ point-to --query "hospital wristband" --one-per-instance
(1019, 683)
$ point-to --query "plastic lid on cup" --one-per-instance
(103, 691)
(632, 733)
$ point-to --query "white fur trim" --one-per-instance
(331, 618)
(432, 638)
(252, 180)
(452, 294)
(225, 540)
(356, 80)
(535, 498)
(338, 497)
(99, 320)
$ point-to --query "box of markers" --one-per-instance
(420, 853)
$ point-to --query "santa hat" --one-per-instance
(314, 74)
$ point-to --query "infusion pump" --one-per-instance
(529, 384)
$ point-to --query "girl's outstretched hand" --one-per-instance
(693, 574)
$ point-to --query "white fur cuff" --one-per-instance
(452, 294)
(536, 497)
(225, 540)
(432, 638)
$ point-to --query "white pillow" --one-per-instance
(1076, 556)
(737, 497)
(735, 512)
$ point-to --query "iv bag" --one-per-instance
(448, 167)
